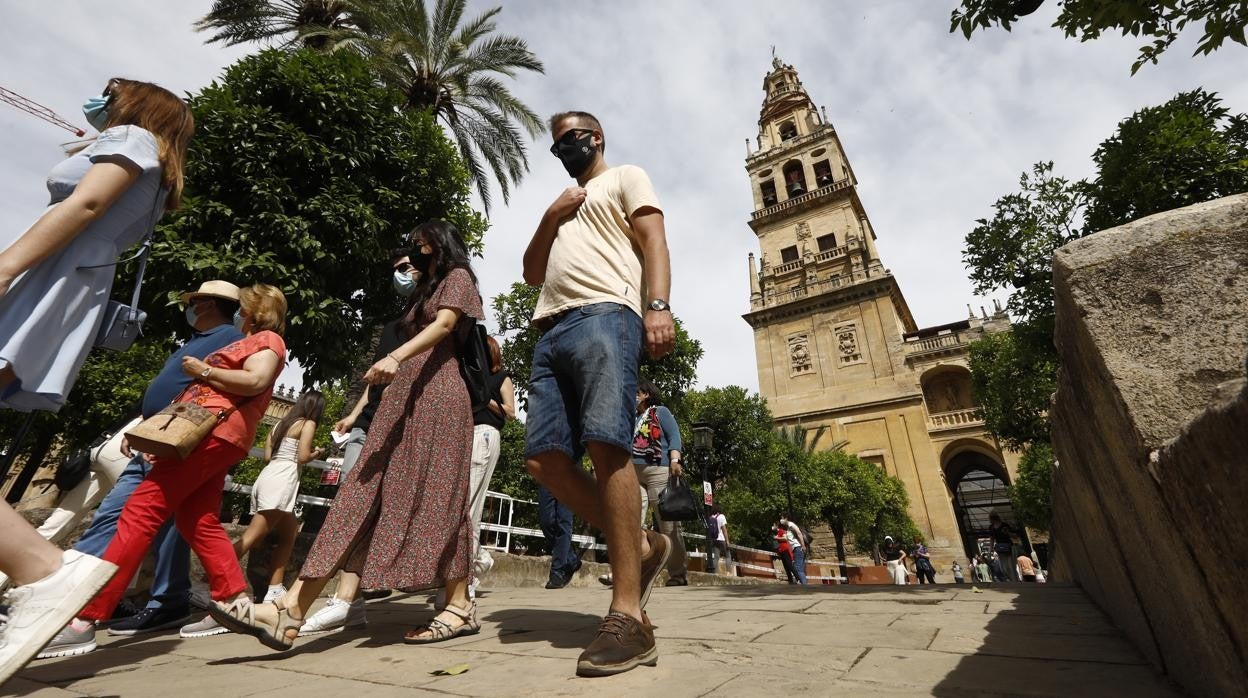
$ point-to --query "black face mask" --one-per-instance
(575, 153)
(419, 259)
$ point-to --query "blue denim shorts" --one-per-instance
(583, 385)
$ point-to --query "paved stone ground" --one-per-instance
(1034, 640)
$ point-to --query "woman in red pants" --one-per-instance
(240, 376)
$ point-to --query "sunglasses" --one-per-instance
(568, 138)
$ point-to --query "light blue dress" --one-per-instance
(52, 313)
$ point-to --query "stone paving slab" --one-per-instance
(722, 641)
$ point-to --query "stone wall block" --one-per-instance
(1149, 493)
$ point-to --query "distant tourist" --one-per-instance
(957, 573)
(894, 558)
(996, 568)
(784, 551)
(797, 542)
(556, 522)
(656, 457)
(981, 568)
(1026, 568)
(923, 563)
(1003, 545)
(717, 540)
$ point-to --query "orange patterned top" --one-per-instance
(240, 427)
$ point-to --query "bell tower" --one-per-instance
(834, 339)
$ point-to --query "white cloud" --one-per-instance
(936, 127)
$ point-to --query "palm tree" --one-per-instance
(451, 70)
(440, 65)
(289, 24)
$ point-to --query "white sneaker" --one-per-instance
(207, 627)
(274, 593)
(336, 615)
(472, 588)
(39, 610)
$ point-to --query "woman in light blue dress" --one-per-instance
(55, 278)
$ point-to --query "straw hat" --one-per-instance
(215, 289)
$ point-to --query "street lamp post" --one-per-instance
(704, 441)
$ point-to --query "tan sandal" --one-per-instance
(240, 617)
(439, 630)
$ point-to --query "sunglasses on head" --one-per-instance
(568, 138)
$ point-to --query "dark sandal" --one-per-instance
(240, 617)
(439, 630)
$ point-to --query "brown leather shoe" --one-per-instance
(652, 564)
(621, 644)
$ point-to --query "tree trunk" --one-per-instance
(838, 533)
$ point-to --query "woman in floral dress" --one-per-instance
(400, 519)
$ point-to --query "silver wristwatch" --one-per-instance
(660, 305)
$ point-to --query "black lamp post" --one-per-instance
(703, 442)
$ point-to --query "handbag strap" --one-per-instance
(157, 211)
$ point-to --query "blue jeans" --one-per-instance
(799, 563)
(556, 522)
(583, 382)
(718, 550)
(172, 583)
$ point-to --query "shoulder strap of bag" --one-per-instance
(142, 254)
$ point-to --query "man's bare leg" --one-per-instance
(620, 496)
(575, 489)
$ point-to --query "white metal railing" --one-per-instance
(955, 418)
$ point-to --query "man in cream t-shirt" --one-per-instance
(600, 254)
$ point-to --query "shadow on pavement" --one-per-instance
(562, 629)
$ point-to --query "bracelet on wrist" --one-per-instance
(396, 359)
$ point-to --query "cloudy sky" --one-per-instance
(936, 127)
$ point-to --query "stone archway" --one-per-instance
(977, 482)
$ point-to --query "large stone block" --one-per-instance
(1149, 492)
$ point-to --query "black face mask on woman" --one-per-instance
(420, 259)
(575, 150)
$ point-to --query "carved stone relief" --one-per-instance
(803, 231)
(848, 349)
(800, 357)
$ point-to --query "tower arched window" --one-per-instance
(823, 173)
(768, 190)
(795, 178)
(788, 131)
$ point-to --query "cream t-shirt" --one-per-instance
(595, 257)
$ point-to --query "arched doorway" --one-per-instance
(977, 482)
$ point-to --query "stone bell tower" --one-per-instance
(834, 339)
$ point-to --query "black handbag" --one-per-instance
(72, 470)
(676, 502)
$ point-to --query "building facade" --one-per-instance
(835, 341)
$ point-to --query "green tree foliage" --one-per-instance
(1160, 22)
(1031, 493)
(1188, 150)
(304, 174)
(741, 425)
(439, 63)
(674, 374)
(1012, 380)
(1014, 248)
(888, 515)
(288, 24)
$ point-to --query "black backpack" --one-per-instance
(473, 350)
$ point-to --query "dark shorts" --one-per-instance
(583, 384)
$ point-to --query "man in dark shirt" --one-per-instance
(356, 424)
(1003, 546)
(210, 311)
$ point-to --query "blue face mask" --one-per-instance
(96, 111)
(191, 316)
(404, 285)
(238, 320)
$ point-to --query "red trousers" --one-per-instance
(190, 491)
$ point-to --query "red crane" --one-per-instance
(36, 109)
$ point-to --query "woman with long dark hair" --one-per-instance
(401, 517)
